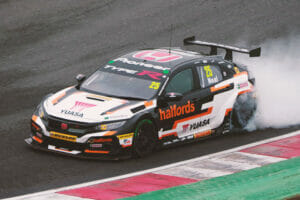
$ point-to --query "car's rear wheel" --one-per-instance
(243, 110)
(145, 138)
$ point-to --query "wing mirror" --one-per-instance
(80, 78)
(173, 96)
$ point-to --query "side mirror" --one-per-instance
(80, 78)
(173, 96)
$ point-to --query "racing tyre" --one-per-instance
(243, 110)
(145, 138)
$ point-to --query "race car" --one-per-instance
(147, 99)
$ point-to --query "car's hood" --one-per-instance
(75, 105)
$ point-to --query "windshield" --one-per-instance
(122, 86)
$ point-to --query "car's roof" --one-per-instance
(166, 57)
(160, 62)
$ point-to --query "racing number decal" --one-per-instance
(208, 71)
(236, 70)
(154, 85)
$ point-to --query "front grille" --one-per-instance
(74, 128)
(66, 144)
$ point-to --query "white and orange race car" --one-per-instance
(147, 99)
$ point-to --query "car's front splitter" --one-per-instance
(123, 154)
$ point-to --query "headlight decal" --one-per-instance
(110, 126)
(41, 112)
(108, 133)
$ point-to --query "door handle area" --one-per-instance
(195, 99)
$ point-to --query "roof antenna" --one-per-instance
(171, 38)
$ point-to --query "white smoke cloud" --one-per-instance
(277, 74)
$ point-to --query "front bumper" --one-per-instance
(77, 153)
(107, 148)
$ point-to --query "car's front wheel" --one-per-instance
(145, 138)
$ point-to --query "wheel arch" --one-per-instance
(146, 116)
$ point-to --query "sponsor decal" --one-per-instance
(175, 111)
(142, 64)
(79, 106)
(101, 140)
(96, 145)
(120, 69)
(62, 136)
(242, 85)
(199, 124)
(151, 74)
(125, 136)
(76, 109)
(69, 112)
(156, 56)
(64, 126)
(185, 128)
(126, 139)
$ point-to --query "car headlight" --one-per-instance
(110, 126)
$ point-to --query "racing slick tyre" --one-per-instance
(243, 110)
(145, 138)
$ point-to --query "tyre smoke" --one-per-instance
(277, 75)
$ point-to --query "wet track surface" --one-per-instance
(44, 44)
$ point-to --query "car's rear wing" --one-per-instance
(229, 49)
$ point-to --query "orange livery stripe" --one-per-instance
(110, 133)
(245, 91)
(209, 110)
(214, 89)
(55, 101)
(94, 151)
(228, 110)
(37, 139)
(169, 134)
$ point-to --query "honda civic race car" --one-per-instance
(147, 99)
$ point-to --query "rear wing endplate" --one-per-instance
(229, 49)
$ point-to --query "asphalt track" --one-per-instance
(44, 44)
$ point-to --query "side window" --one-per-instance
(209, 75)
(182, 82)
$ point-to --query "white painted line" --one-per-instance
(153, 169)
(269, 159)
(194, 172)
(236, 164)
(55, 196)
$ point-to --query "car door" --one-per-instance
(173, 114)
(200, 122)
